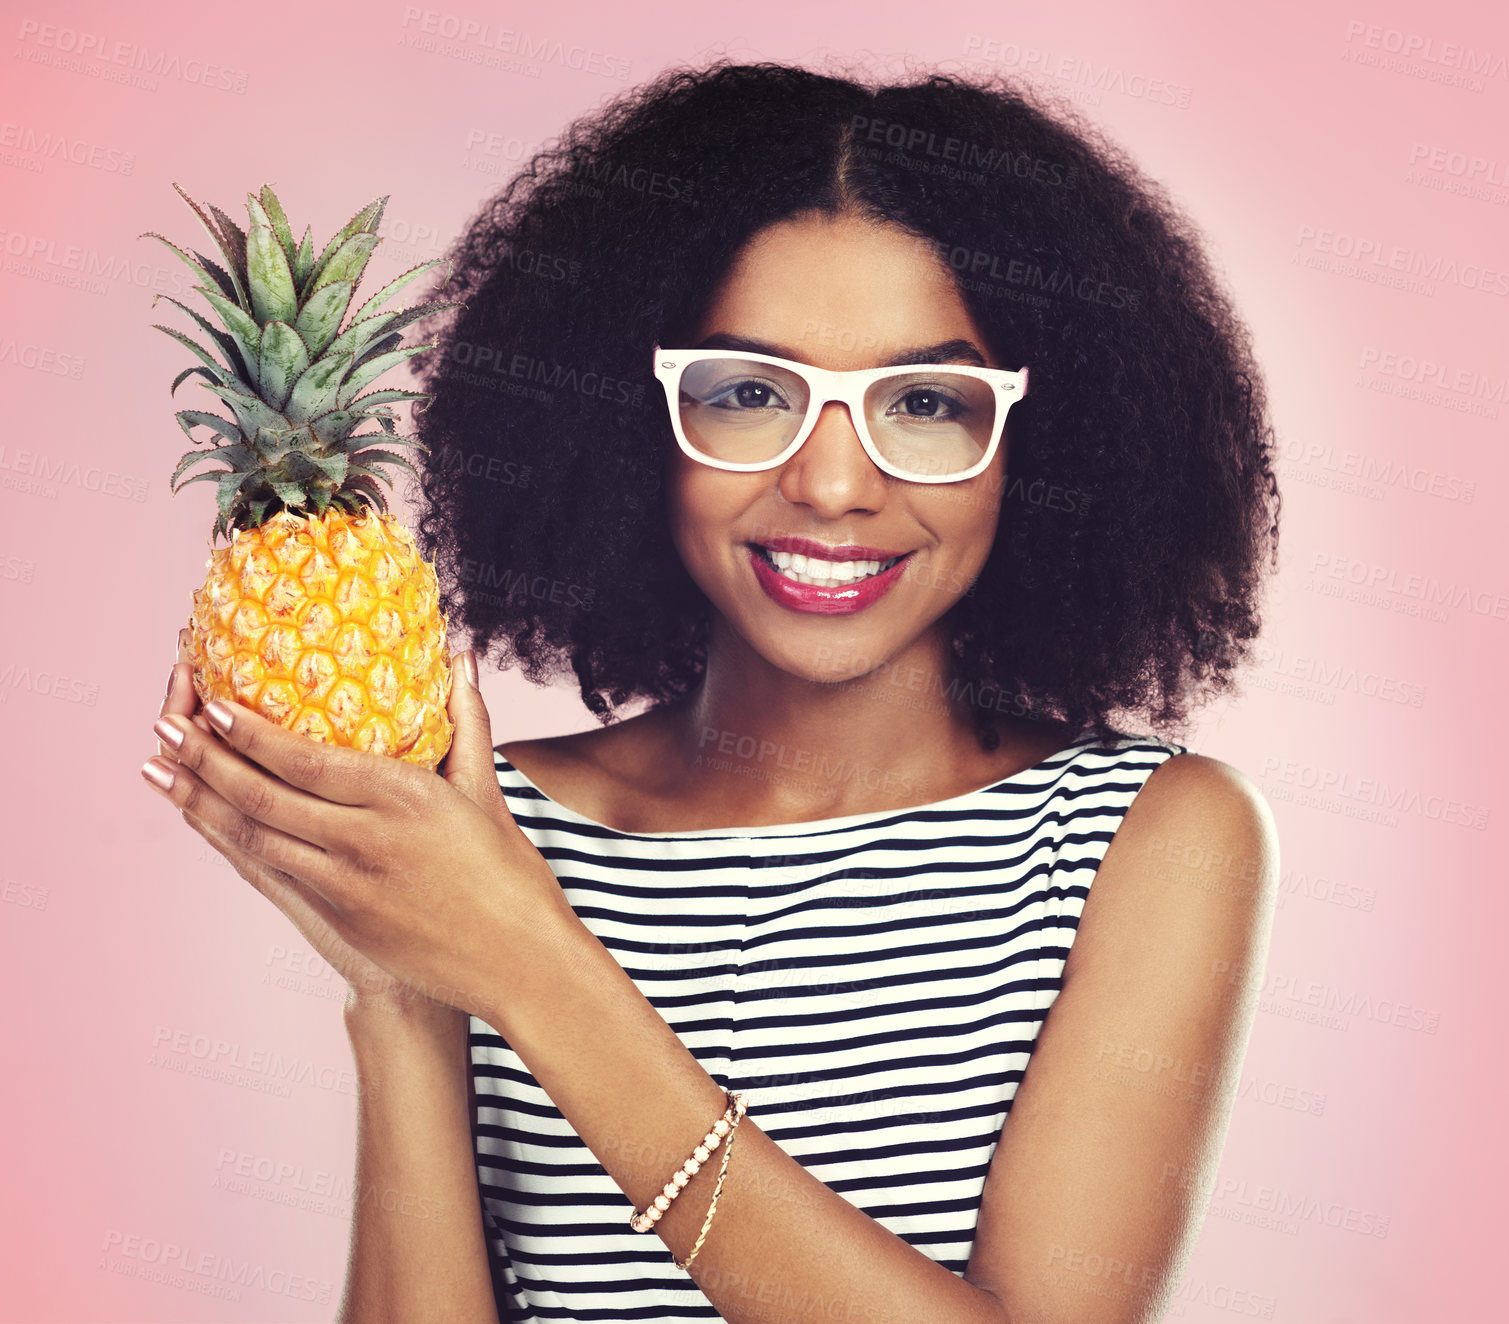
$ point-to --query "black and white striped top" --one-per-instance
(875, 982)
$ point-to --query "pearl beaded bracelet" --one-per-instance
(643, 1221)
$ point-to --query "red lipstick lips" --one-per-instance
(824, 600)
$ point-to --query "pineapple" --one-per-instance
(319, 612)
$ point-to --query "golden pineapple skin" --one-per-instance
(329, 626)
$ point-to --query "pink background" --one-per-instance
(1300, 138)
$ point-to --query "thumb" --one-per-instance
(468, 764)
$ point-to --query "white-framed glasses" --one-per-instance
(924, 422)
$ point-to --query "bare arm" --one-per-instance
(1090, 1173)
(417, 1249)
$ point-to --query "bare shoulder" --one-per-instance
(1117, 1126)
(587, 770)
(1193, 865)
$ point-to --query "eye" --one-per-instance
(747, 393)
(928, 404)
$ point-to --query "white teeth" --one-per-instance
(812, 570)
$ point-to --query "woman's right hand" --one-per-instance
(370, 986)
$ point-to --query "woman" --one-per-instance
(888, 441)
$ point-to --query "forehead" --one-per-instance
(840, 292)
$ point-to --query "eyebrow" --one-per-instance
(946, 351)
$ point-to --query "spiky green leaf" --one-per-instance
(358, 336)
(368, 458)
(375, 398)
(320, 318)
(374, 368)
(201, 266)
(398, 283)
(228, 344)
(333, 466)
(289, 493)
(380, 332)
(235, 243)
(359, 469)
(231, 483)
(315, 391)
(269, 443)
(284, 357)
(220, 371)
(225, 243)
(361, 483)
(334, 425)
(321, 498)
(273, 297)
(365, 220)
(208, 476)
(348, 262)
(387, 440)
(252, 412)
(189, 419)
(195, 371)
(303, 260)
(239, 323)
(272, 210)
(296, 441)
(237, 456)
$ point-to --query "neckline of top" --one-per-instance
(1064, 754)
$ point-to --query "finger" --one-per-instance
(469, 763)
(310, 913)
(332, 773)
(181, 696)
(211, 814)
(253, 795)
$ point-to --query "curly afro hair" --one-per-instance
(1139, 497)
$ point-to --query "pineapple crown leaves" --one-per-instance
(289, 374)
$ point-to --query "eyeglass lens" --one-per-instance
(925, 421)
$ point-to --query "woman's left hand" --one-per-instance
(426, 875)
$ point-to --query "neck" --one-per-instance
(901, 733)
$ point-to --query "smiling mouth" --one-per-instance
(814, 571)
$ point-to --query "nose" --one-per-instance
(831, 471)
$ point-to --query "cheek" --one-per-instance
(702, 507)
